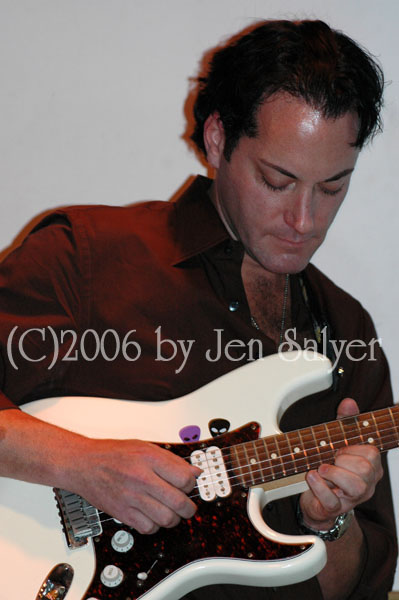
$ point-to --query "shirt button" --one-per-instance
(234, 305)
(228, 249)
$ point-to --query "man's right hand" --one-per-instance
(139, 483)
(136, 482)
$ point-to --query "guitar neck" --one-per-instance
(278, 456)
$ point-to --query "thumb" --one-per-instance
(347, 408)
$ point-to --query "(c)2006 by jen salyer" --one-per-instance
(58, 546)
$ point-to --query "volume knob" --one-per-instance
(122, 541)
(111, 576)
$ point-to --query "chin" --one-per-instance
(295, 264)
(289, 265)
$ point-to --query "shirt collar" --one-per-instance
(196, 223)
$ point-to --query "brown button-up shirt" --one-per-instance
(102, 301)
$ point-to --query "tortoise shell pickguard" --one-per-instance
(220, 528)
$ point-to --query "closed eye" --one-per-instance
(331, 192)
(273, 188)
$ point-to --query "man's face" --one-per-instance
(281, 190)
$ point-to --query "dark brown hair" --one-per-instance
(307, 59)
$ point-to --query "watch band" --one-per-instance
(341, 524)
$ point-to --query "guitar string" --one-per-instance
(218, 498)
(251, 472)
(265, 465)
(320, 458)
(389, 421)
(381, 438)
(265, 479)
(351, 435)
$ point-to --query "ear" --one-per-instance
(214, 139)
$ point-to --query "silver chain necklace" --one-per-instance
(284, 311)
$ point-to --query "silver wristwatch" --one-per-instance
(341, 524)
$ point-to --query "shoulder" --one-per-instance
(103, 219)
(100, 226)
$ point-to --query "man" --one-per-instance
(281, 116)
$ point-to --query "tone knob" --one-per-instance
(111, 576)
(122, 541)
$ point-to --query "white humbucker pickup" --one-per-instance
(214, 481)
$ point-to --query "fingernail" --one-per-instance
(312, 477)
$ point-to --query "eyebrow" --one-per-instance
(288, 174)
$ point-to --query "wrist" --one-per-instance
(326, 530)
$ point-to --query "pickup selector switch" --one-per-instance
(111, 576)
(122, 541)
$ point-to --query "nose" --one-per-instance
(299, 214)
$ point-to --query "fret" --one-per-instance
(329, 441)
(342, 431)
(274, 457)
(368, 429)
(352, 433)
(322, 441)
(298, 453)
(313, 448)
(248, 465)
(336, 434)
(264, 467)
(380, 443)
(254, 462)
(271, 474)
(393, 413)
(387, 434)
(239, 463)
(284, 454)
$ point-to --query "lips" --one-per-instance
(293, 243)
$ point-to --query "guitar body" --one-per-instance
(226, 541)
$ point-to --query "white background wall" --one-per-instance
(92, 111)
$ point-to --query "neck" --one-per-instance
(289, 454)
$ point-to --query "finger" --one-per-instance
(160, 514)
(347, 408)
(191, 483)
(368, 468)
(326, 503)
(183, 480)
(139, 521)
(178, 502)
(166, 507)
(363, 461)
(172, 468)
(167, 495)
(177, 472)
(366, 451)
(347, 483)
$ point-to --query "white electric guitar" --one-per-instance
(54, 545)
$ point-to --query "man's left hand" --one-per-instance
(337, 488)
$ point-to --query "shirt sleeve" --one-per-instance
(42, 296)
(376, 516)
(366, 379)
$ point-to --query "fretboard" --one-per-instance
(287, 454)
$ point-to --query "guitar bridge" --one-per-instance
(80, 519)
